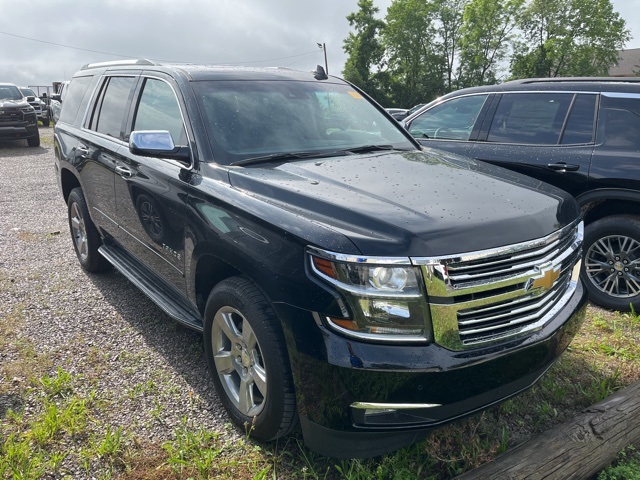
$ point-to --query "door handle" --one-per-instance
(124, 172)
(563, 167)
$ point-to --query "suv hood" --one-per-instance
(412, 203)
(5, 103)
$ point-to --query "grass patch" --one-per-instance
(59, 433)
(626, 467)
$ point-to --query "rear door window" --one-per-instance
(580, 124)
(112, 106)
(530, 118)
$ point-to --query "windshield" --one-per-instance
(27, 92)
(249, 119)
(10, 92)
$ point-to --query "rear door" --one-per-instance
(546, 135)
(100, 145)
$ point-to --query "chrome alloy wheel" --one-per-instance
(79, 232)
(612, 264)
(238, 361)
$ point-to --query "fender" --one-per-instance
(608, 194)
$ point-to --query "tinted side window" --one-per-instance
(158, 109)
(579, 128)
(452, 120)
(620, 122)
(531, 118)
(73, 96)
(112, 107)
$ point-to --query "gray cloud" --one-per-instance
(251, 32)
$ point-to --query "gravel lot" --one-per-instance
(149, 371)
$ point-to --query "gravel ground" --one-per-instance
(149, 371)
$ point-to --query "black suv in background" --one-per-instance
(580, 134)
(17, 118)
(340, 275)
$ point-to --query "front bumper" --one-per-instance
(359, 399)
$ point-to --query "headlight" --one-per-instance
(385, 299)
(28, 109)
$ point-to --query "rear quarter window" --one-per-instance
(619, 122)
(74, 95)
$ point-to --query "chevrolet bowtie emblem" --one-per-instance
(546, 281)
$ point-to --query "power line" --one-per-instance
(157, 59)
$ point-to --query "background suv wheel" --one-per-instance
(611, 266)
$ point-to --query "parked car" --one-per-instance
(580, 134)
(40, 107)
(55, 102)
(341, 276)
(17, 118)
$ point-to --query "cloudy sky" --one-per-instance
(45, 41)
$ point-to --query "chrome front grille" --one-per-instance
(484, 297)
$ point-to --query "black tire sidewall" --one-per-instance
(610, 226)
(272, 421)
(94, 261)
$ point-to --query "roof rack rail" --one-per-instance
(578, 79)
(118, 63)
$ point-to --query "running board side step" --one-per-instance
(160, 293)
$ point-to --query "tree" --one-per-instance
(448, 13)
(568, 38)
(364, 47)
(416, 67)
(486, 34)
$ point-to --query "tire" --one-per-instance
(85, 236)
(611, 264)
(34, 141)
(247, 357)
(46, 122)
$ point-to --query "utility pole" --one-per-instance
(323, 47)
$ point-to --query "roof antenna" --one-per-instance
(319, 73)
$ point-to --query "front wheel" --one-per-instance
(247, 357)
(611, 266)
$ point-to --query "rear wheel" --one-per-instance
(85, 235)
(611, 266)
(247, 357)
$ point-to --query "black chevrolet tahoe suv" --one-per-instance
(17, 118)
(579, 134)
(343, 278)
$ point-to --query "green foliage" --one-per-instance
(627, 466)
(363, 47)
(424, 48)
(486, 33)
(568, 38)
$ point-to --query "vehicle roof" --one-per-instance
(198, 72)
(4, 84)
(582, 84)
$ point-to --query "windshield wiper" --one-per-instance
(286, 156)
(369, 148)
